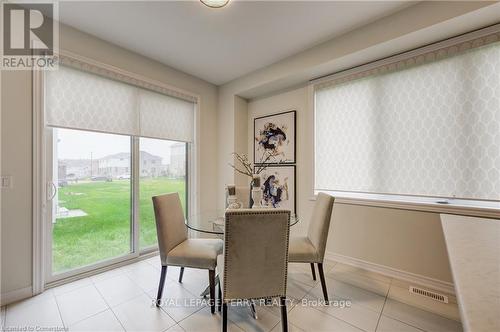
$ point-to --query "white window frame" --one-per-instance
(42, 251)
(479, 208)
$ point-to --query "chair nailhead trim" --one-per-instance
(227, 230)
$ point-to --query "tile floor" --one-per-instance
(121, 299)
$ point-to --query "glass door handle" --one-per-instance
(52, 190)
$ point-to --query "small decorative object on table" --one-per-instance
(232, 200)
(247, 170)
(256, 191)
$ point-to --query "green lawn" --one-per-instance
(105, 231)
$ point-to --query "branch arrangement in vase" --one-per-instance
(246, 167)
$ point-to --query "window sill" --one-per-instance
(486, 209)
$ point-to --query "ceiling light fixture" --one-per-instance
(215, 3)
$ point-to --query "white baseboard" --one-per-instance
(421, 280)
(15, 295)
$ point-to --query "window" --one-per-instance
(169, 177)
(111, 147)
(91, 207)
(431, 129)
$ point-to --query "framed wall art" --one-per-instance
(278, 187)
(275, 134)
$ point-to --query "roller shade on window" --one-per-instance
(80, 100)
(165, 117)
(429, 129)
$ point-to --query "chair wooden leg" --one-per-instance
(219, 299)
(181, 274)
(160, 286)
(284, 320)
(254, 311)
(211, 280)
(323, 283)
(224, 317)
(313, 270)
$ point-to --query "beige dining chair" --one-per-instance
(176, 249)
(255, 259)
(311, 248)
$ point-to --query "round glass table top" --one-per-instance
(212, 222)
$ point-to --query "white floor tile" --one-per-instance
(194, 280)
(80, 304)
(145, 276)
(204, 321)
(47, 294)
(399, 292)
(130, 291)
(72, 286)
(310, 319)
(349, 292)
(173, 272)
(140, 314)
(275, 307)
(102, 322)
(108, 274)
(291, 328)
(177, 301)
(33, 312)
(387, 324)
(419, 318)
(242, 316)
(175, 328)
(304, 275)
(354, 314)
(297, 290)
(155, 261)
(119, 289)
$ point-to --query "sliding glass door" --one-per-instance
(162, 169)
(110, 146)
(92, 180)
(92, 194)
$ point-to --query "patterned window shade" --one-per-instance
(431, 129)
(166, 117)
(81, 100)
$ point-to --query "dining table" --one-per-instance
(211, 224)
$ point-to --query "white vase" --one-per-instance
(257, 197)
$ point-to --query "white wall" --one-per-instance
(16, 145)
(16, 244)
(392, 238)
(292, 100)
(409, 241)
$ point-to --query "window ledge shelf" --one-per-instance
(486, 209)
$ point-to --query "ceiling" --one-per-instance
(219, 45)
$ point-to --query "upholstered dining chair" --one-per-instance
(176, 249)
(311, 248)
(255, 259)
